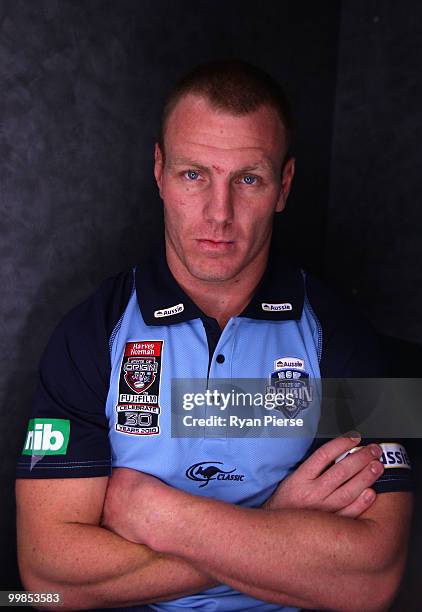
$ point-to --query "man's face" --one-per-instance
(221, 182)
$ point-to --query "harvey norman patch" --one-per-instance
(138, 406)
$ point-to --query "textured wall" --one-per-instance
(81, 84)
(71, 176)
(374, 250)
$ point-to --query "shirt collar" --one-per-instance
(278, 297)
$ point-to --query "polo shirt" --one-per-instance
(104, 397)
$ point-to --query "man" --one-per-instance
(168, 531)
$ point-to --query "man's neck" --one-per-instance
(219, 300)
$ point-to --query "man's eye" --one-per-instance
(249, 179)
(192, 175)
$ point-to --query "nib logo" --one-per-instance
(47, 437)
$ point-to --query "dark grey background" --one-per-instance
(373, 244)
(81, 86)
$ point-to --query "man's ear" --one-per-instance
(286, 183)
(158, 166)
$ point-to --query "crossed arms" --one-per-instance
(318, 542)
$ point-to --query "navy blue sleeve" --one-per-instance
(68, 431)
(351, 349)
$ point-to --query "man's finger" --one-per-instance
(364, 463)
(360, 505)
(346, 494)
(327, 454)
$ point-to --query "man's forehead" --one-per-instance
(195, 122)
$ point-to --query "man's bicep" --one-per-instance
(62, 500)
(62, 548)
(45, 508)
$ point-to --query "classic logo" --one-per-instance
(140, 373)
(277, 307)
(289, 362)
(138, 408)
(47, 437)
(208, 470)
(168, 312)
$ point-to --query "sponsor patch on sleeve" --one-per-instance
(47, 437)
(138, 407)
(393, 455)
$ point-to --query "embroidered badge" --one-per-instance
(169, 312)
(292, 381)
(289, 362)
(138, 406)
(393, 455)
(277, 307)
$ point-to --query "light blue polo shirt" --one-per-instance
(105, 397)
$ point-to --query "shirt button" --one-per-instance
(220, 358)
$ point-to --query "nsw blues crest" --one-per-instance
(291, 380)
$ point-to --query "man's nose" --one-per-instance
(219, 205)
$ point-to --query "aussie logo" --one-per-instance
(276, 307)
(393, 455)
(168, 312)
(289, 362)
(138, 407)
(205, 471)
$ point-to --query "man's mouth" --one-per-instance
(214, 241)
(215, 245)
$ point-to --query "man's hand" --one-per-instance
(341, 489)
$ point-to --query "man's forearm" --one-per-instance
(93, 567)
(326, 560)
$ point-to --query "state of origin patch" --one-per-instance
(138, 407)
